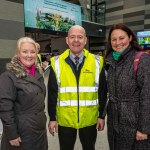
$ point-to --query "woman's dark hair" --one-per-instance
(121, 26)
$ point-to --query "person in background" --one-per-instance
(77, 93)
(39, 59)
(44, 64)
(22, 94)
(129, 93)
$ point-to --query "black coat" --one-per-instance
(22, 108)
(129, 101)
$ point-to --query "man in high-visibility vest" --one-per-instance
(77, 93)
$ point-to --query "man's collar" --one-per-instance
(72, 55)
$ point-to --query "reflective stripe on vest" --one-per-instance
(57, 69)
(97, 70)
(81, 89)
(75, 102)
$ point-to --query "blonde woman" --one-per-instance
(22, 94)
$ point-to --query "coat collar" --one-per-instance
(16, 67)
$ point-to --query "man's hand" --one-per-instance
(15, 142)
(140, 136)
(52, 126)
(100, 124)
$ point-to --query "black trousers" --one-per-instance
(67, 137)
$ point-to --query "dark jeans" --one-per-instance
(67, 137)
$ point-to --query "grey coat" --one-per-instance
(129, 101)
(22, 108)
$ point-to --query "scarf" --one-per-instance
(31, 70)
(116, 54)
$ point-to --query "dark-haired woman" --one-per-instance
(129, 92)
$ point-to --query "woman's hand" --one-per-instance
(140, 136)
(15, 142)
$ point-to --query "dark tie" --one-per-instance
(76, 60)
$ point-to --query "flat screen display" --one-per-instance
(144, 39)
(52, 15)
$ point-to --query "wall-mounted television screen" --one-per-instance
(51, 15)
(144, 39)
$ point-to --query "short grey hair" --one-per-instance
(77, 26)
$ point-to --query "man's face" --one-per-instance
(76, 40)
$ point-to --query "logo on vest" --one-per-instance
(87, 71)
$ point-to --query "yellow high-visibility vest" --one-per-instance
(39, 59)
(77, 104)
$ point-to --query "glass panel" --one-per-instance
(96, 14)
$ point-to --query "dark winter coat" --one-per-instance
(129, 101)
(22, 108)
